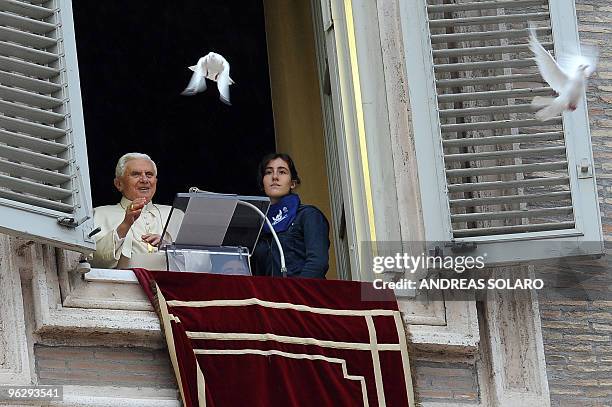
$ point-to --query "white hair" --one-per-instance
(122, 163)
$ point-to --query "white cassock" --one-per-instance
(113, 252)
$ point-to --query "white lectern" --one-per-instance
(216, 234)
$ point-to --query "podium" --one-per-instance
(217, 232)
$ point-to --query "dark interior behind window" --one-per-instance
(133, 59)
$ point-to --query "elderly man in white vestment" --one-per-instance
(132, 228)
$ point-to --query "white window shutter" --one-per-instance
(44, 176)
(504, 179)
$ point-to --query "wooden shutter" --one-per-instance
(505, 175)
(44, 184)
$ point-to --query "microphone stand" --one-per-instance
(280, 248)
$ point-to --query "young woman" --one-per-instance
(302, 230)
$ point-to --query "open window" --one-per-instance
(505, 183)
(44, 175)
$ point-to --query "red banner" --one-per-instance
(261, 341)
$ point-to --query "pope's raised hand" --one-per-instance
(132, 212)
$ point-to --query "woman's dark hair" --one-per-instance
(273, 156)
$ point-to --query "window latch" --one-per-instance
(461, 246)
(71, 222)
(585, 169)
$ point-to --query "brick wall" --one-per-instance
(103, 366)
(578, 347)
(444, 379)
(578, 332)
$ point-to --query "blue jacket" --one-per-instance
(305, 244)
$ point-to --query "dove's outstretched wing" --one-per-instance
(550, 71)
(588, 57)
(197, 83)
(553, 107)
(223, 84)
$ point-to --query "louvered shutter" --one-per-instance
(44, 182)
(504, 178)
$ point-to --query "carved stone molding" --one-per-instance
(14, 355)
(514, 367)
(57, 318)
(77, 292)
(451, 326)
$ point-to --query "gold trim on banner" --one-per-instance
(201, 383)
(401, 334)
(165, 319)
(296, 340)
(342, 362)
(380, 391)
(281, 305)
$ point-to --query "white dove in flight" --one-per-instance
(214, 67)
(568, 78)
